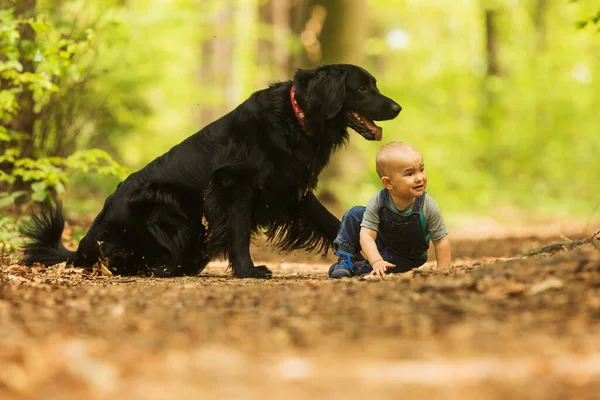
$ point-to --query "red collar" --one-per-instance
(297, 110)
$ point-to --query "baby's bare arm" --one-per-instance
(443, 252)
(371, 253)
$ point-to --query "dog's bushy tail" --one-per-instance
(45, 232)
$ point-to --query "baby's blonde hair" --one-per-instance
(390, 152)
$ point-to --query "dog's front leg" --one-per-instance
(319, 215)
(239, 220)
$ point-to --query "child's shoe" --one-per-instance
(362, 268)
(344, 267)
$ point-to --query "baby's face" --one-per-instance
(407, 178)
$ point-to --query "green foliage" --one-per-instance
(50, 174)
(52, 58)
(8, 198)
(10, 239)
(590, 18)
(57, 63)
(534, 148)
(593, 20)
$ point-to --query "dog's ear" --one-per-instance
(327, 90)
(322, 89)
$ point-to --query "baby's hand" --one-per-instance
(380, 266)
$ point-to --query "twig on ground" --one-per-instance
(554, 247)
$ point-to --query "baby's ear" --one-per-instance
(386, 182)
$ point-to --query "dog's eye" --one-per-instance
(363, 89)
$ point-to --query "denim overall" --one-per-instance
(401, 240)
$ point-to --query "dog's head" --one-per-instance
(343, 94)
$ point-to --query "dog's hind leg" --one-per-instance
(173, 240)
(195, 265)
(196, 257)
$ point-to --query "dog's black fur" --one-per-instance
(255, 169)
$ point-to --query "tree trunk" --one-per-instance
(489, 87)
(215, 66)
(23, 122)
(539, 19)
(264, 43)
(345, 31)
(243, 78)
(342, 40)
(493, 69)
(205, 112)
(280, 17)
(491, 43)
(539, 111)
(299, 15)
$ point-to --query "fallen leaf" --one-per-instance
(551, 283)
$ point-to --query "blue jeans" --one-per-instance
(348, 240)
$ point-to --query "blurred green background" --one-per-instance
(501, 97)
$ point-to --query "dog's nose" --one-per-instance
(396, 108)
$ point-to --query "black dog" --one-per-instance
(253, 170)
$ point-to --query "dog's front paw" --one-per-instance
(260, 272)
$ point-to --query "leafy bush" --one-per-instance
(10, 239)
(52, 60)
(50, 174)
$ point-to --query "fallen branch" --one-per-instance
(555, 247)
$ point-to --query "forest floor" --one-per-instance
(517, 317)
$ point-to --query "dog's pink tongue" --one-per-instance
(377, 131)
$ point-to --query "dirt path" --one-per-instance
(497, 326)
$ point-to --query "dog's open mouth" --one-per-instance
(364, 126)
